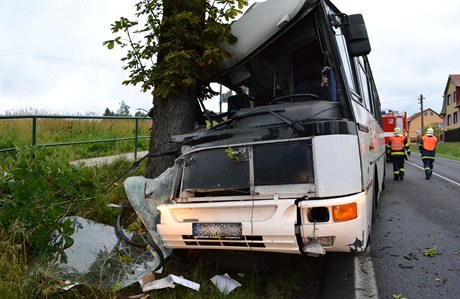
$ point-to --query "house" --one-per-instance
(451, 109)
(414, 123)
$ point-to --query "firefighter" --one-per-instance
(399, 150)
(427, 149)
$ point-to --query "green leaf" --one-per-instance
(430, 251)
(126, 259)
(185, 36)
(116, 287)
(110, 44)
(234, 155)
(188, 81)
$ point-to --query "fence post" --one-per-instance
(34, 124)
(34, 131)
(136, 139)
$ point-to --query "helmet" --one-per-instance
(429, 131)
(397, 131)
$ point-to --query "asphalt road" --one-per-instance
(413, 215)
(449, 169)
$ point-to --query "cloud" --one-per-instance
(51, 53)
(52, 58)
(415, 45)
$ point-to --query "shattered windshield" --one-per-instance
(293, 64)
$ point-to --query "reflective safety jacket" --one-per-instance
(398, 145)
(428, 147)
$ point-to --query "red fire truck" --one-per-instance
(392, 119)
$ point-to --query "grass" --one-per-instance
(448, 150)
(19, 276)
(18, 279)
(17, 133)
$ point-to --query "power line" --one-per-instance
(401, 100)
(414, 97)
(56, 59)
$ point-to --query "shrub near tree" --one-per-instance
(184, 37)
(36, 194)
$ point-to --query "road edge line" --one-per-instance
(365, 282)
(435, 174)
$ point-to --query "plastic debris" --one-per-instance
(169, 281)
(314, 248)
(225, 283)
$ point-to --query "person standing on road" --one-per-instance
(427, 149)
(399, 146)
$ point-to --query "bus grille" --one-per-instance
(244, 241)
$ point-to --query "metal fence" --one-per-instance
(34, 118)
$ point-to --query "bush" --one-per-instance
(36, 193)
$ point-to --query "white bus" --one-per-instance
(297, 166)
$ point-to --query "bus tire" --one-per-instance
(375, 196)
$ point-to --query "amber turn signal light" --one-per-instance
(345, 212)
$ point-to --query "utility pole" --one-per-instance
(421, 111)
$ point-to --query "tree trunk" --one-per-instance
(176, 114)
(171, 116)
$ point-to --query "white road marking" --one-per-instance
(442, 177)
(365, 283)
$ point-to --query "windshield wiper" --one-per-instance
(292, 123)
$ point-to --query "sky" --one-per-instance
(415, 46)
(52, 58)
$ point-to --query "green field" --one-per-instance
(17, 133)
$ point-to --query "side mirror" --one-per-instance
(356, 36)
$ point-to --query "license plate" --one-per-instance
(217, 230)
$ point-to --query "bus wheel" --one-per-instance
(383, 178)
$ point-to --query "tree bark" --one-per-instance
(176, 114)
(171, 116)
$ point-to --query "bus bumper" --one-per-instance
(318, 223)
(263, 225)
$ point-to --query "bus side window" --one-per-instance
(346, 63)
(363, 80)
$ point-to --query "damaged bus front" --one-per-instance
(297, 165)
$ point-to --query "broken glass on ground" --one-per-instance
(98, 257)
